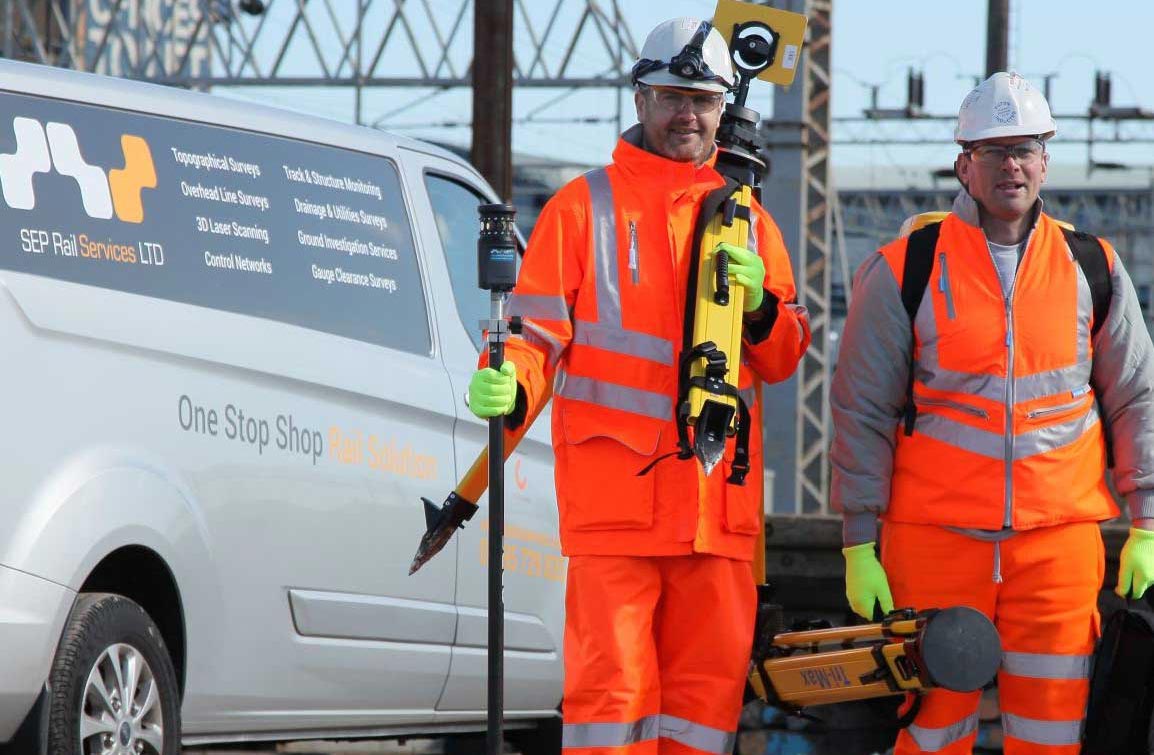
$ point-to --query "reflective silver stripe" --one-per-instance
(752, 230)
(1053, 382)
(541, 338)
(1026, 388)
(614, 396)
(604, 247)
(609, 735)
(541, 307)
(628, 342)
(1054, 436)
(930, 374)
(980, 442)
(1047, 666)
(698, 736)
(1042, 732)
(932, 740)
(992, 445)
(748, 395)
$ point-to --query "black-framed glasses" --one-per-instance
(1025, 153)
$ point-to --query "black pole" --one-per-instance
(496, 676)
(997, 37)
(497, 272)
(492, 78)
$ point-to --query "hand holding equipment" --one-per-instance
(493, 393)
(748, 269)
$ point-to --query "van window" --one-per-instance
(287, 230)
(455, 209)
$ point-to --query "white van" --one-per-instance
(238, 343)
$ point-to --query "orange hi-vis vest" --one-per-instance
(1007, 431)
(601, 291)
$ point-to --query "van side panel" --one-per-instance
(226, 355)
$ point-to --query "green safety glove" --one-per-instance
(749, 271)
(1136, 565)
(865, 581)
(493, 393)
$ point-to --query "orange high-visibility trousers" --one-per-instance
(656, 654)
(1040, 588)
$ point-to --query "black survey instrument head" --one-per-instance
(497, 247)
(960, 649)
(753, 46)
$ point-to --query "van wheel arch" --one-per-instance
(141, 575)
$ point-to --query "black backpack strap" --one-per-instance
(1091, 257)
(916, 270)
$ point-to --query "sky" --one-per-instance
(874, 43)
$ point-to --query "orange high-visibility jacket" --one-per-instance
(1008, 432)
(602, 291)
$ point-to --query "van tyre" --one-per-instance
(113, 665)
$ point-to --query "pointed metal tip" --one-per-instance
(418, 560)
(709, 454)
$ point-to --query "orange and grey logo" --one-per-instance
(41, 149)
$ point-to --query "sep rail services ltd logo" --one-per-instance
(42, 149)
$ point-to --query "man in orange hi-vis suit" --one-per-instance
(986, 362)
(660, 598)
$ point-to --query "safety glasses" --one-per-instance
(672, 101)
(1025, 153)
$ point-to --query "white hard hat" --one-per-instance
(1004, 105)
(685, 52)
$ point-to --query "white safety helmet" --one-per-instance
(1004, 105)
(688, 53)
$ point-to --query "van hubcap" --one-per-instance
(120, 712)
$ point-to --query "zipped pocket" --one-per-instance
(1048, 410)
(944, 286)
(973, 411)
(634, 262)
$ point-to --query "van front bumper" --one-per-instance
(32, 615)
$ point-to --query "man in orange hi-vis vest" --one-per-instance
(660, 598)
(989, 363)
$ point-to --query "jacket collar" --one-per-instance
(660, 172)
(965, 208)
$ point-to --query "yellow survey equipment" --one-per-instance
(765, 43)
(954, 648)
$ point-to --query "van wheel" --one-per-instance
(113, 690)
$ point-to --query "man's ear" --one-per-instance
(961, 168)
